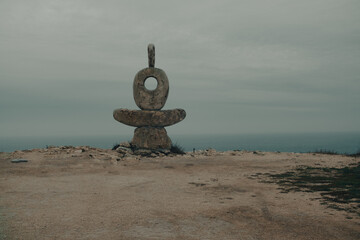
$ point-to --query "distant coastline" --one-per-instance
(285, 142)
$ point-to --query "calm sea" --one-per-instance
(340, 142)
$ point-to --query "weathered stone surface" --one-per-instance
(143, 152)
(124, 150)
(151, 55)
(138, 118)
(125, 144)
(150, 99)
(150, 121)
(151, 138)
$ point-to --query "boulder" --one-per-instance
(151, 138)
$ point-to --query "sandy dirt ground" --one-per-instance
(88, 193)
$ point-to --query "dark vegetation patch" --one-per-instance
(197, 184)
(339, 187)
(331, 152)
(328, 152)
(357, 154)
(177, 149)
(229, 189)
(168, 166)
(115, 146)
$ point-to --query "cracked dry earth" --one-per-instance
(89, 193)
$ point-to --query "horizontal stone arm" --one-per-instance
(149, 118)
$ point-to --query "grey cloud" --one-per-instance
(252, 66)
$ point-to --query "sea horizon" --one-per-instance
(341, 142)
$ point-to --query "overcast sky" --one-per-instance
(235, 66)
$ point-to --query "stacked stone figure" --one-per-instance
(150, 120)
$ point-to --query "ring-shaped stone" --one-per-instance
(150, 99)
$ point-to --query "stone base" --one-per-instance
(151, 138)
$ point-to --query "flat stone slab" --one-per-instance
(149, 118)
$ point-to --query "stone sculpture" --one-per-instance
(150, 120)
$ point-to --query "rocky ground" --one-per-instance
(90, 193)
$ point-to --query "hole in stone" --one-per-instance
(151, 83)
